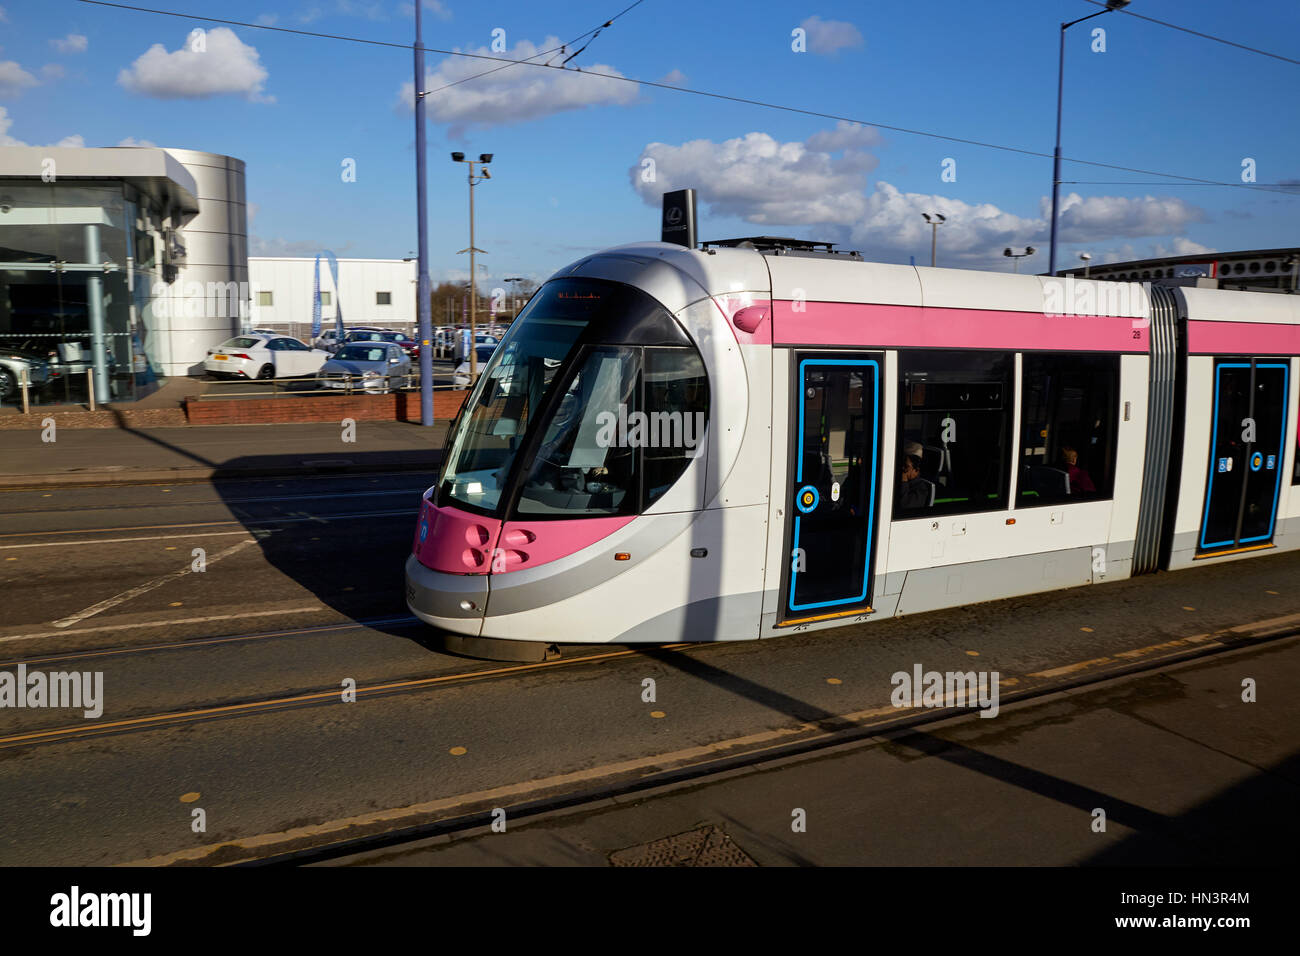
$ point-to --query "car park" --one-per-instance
(373, 367)
(260, 356)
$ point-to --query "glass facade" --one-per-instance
(79, 269)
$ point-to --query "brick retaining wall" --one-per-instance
(399, 406)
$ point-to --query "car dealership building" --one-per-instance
(128, 262)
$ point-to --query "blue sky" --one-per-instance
(570, 149)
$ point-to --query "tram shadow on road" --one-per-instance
(341, 532)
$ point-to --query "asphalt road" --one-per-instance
(222, 688)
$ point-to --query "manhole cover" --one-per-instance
(706, 846)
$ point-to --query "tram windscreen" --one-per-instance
(508, 393)
(586, 340)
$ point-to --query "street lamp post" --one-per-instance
(422, 304)
(1056, 154)
(935, 223)
(1015, 257)
(1087, 262)
(483, 160)
(514, 295)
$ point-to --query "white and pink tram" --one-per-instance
(760, 436)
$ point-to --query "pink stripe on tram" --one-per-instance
(1242, 338)
(910, 326)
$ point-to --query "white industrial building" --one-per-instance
(377, 292)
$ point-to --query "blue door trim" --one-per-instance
(1214, 444)
(871, 498)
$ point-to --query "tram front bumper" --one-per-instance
(454, 602)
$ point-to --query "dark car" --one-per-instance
(407, 344)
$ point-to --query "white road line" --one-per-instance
(298, 518)
(145, 588)
(103, 629)
(152, 537)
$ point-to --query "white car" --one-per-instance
(257, 355)
(461, 375)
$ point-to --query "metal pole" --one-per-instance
(22, 380)
(1056, 154)
(473, 285)
(90, 387)
(95, 305)
(934, 234)
(423, 304)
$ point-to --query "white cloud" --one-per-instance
(14, 79)
(673, 78)
(517, 93)
(759, 179)
(7, 140)
(1107, 217)
(828, 37)
(224, 65)
(132, 141)
(72, 43)
(52, 71)
(267, 19)
(5, 123)
(1180, 246)
(4, 17)
(770, 183)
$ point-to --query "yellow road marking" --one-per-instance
(189, 797)
(252, 707)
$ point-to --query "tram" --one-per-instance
(762, 436)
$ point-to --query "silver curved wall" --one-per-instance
(216, 246)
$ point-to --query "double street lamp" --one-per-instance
(935, 222)
(474, 180)
(1015, 257)
(1056, 155)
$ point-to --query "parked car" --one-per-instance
(461, 375)
(65, 358)
(373, 367)
(264, 356)
(13, 362)
(329, 338)
(407, 344)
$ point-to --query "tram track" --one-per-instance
(470, 814)
(288, 700)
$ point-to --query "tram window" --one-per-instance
(1068, 415)
(1295, 474)
(954, 432)
(677, 407)
(586, 463)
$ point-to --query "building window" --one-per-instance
(954, 432)
(265, 299)
(325, 298)
(383, 298)
(1068, 415)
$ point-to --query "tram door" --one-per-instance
(1246, 450)
(834, 474)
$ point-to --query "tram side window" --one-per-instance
(587, 461)
(954, 432)
(1069, 410)
(1295, 474)
(677, 411)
